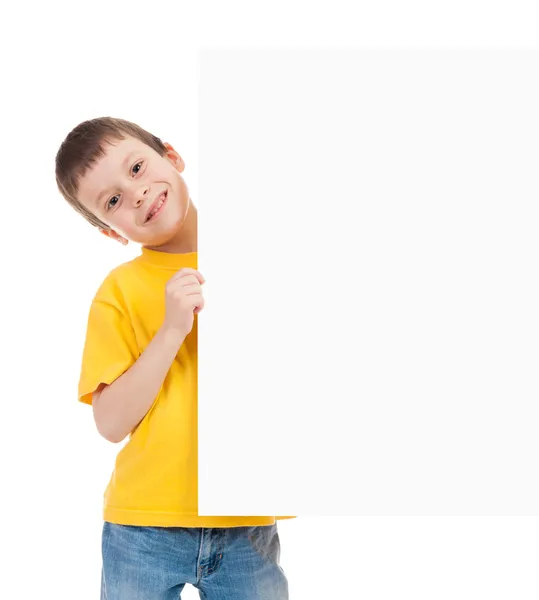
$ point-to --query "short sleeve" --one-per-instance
(110, 348)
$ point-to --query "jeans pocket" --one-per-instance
(264, 540)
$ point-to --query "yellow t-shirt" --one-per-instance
(155, 480)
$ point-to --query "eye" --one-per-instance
(110, 203)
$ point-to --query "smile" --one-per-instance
(157, 208)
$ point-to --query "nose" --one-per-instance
(140, 195)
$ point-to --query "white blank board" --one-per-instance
(368, 232)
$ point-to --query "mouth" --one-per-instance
(157, 207)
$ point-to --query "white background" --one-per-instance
(62, 63)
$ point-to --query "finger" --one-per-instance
(197, 302)
(190, 290)
(188, 271)
(184, 295)
(179, 282)
(199, 307)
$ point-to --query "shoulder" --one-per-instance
(114, 289)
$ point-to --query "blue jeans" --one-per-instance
(155, 563)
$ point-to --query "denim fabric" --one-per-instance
(155, 563)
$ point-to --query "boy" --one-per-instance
(139, 373)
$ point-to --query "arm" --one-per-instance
(120, 406)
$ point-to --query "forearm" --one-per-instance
(124, 403)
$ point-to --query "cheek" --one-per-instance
(122, 221)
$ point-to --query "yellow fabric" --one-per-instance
(155, 479)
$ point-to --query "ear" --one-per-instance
(110, 233)
(174, 158)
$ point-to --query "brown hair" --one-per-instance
(84, 145)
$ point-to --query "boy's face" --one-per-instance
(125, 186)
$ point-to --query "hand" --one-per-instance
(183, 300)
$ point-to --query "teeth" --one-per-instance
(158, 206)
